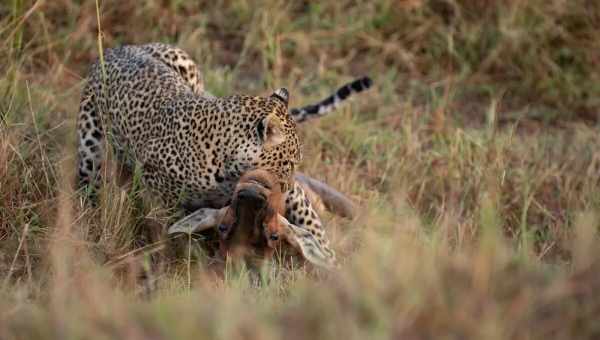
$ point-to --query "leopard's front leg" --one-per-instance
(300, 212)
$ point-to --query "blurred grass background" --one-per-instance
(475, 160)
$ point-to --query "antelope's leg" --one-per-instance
(333, 200)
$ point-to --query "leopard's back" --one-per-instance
(184, 140)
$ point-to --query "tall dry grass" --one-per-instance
(475, 162)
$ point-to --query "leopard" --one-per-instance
(149, 104)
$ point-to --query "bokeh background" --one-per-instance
(475, 161)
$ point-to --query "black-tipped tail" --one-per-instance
(330, 103)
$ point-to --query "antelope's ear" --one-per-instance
(282, 95)
(306, 243)
(270, 131)
(199, 220)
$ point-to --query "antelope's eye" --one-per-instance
(223, 228)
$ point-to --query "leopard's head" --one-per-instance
(273, 136)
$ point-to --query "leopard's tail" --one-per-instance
(332, 102)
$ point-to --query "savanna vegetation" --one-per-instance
(475, 161)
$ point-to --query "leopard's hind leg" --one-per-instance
(90, 137)
(179, 61)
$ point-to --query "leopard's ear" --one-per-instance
(307, 244)
(270, 131)
(282, 95)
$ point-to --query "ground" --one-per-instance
(475, 161)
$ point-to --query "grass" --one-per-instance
(474, 159)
